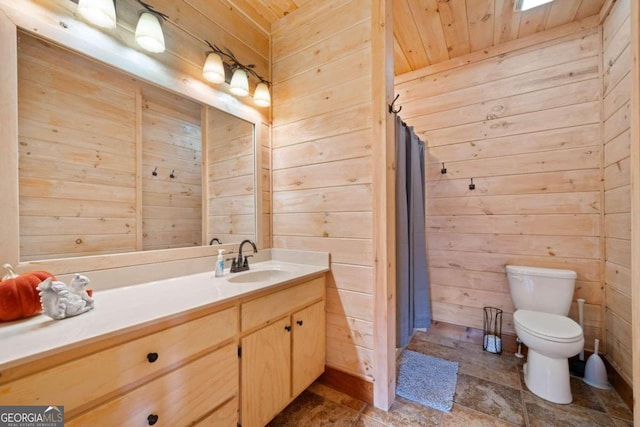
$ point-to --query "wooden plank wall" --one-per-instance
(525, 125)
(171, 146)
(616, 87)
(322, 162)
(231, 163)
(77, 155)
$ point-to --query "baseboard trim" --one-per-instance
(348, 384)
(619, 384)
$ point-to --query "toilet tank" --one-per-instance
(548, 290)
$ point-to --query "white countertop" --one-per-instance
(123, 309)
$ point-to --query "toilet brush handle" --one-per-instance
(581, 322)
(581, 311)
(595, 346)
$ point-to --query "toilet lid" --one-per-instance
(552, 327)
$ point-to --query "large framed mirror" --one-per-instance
(110, 164)
(114, 160)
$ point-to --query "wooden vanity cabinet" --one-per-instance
(286, 352)
(185, 371)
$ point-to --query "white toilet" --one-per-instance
(542, 299)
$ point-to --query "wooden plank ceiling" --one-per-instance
(427, 32)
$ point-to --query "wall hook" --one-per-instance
(472, 186)
(391, 109)
(155, 171)
(172, 174)
(443, 170)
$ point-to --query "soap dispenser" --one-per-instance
(220, 264)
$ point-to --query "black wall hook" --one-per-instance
(472, 186)
(155, 171)
(443, 170)
(172, 174)
(391, 109)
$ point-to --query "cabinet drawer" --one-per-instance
(83, 380)
(178, 398)
(225, 416)
(261, 310)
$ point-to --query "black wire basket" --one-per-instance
(492, 330)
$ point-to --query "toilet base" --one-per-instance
(548, 377)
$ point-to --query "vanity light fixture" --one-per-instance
(150, 37)
(214, 71)
(99, 12)
(522, 5)
(239, 83)
(149, 31)
(261, 96)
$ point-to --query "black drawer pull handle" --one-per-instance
(299, 322)
(152, 357)
(288, 328)
(152, 419)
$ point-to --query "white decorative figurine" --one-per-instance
(59, 300)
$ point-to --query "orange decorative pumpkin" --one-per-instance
(18, 294)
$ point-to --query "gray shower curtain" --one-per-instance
(413, 305)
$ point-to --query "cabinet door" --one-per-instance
(266, 373)
(308, 346)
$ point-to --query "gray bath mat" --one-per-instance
(427, 380)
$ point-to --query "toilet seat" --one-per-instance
(548, 326)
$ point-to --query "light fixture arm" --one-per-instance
(235, 63)
(153, 10)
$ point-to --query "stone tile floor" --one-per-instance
(490, 392)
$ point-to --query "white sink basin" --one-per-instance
(258, 276)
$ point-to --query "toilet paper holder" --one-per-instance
(492, 330)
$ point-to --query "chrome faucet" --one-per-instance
(242, 264)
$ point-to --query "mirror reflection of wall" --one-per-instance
(171, 171)
(77, 155)
(231, 179)
(90, 139)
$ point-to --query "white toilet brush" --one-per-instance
(595, 373)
